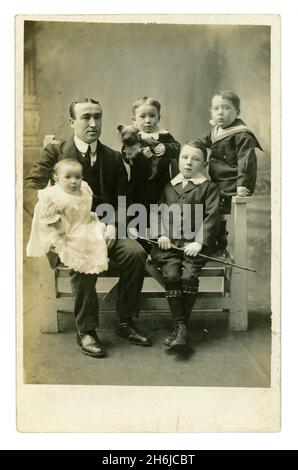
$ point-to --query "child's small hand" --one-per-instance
(159, 150)
(243, 191)
(164, 243)
(193, 249)
(147, 152)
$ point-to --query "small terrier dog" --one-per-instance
(133, 144)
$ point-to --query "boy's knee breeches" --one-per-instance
(178, 268)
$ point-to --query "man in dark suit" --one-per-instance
(104, 171)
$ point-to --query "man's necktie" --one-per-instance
(87, 159)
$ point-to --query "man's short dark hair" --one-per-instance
(198, 144)
(80, 100)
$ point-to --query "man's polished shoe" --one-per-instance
(181, 339)
(90, 344)
(133, 334)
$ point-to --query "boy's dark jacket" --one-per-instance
(206, 194)
(233, 160)
(147, 191)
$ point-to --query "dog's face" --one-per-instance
(131, 141)
(129, 134)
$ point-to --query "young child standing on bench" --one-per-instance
(63, 222)
(232, 162)
(151, 169)
(181, 269)
(152, 154)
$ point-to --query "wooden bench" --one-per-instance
(221, 287)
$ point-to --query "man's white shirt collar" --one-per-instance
(83, 146)
(180, 179)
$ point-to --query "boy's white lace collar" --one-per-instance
(83, 146)
(180, 179)
(154, 135)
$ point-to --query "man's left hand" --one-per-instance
(133, 233)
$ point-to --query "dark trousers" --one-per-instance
(85, 300)
(131, 259)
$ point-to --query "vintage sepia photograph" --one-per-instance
(146, 180)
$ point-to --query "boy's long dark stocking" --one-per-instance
(174, 295)
(190, 292)
(189, 301)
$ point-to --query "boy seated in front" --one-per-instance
(181, 269)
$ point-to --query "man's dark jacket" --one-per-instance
(109, 178)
